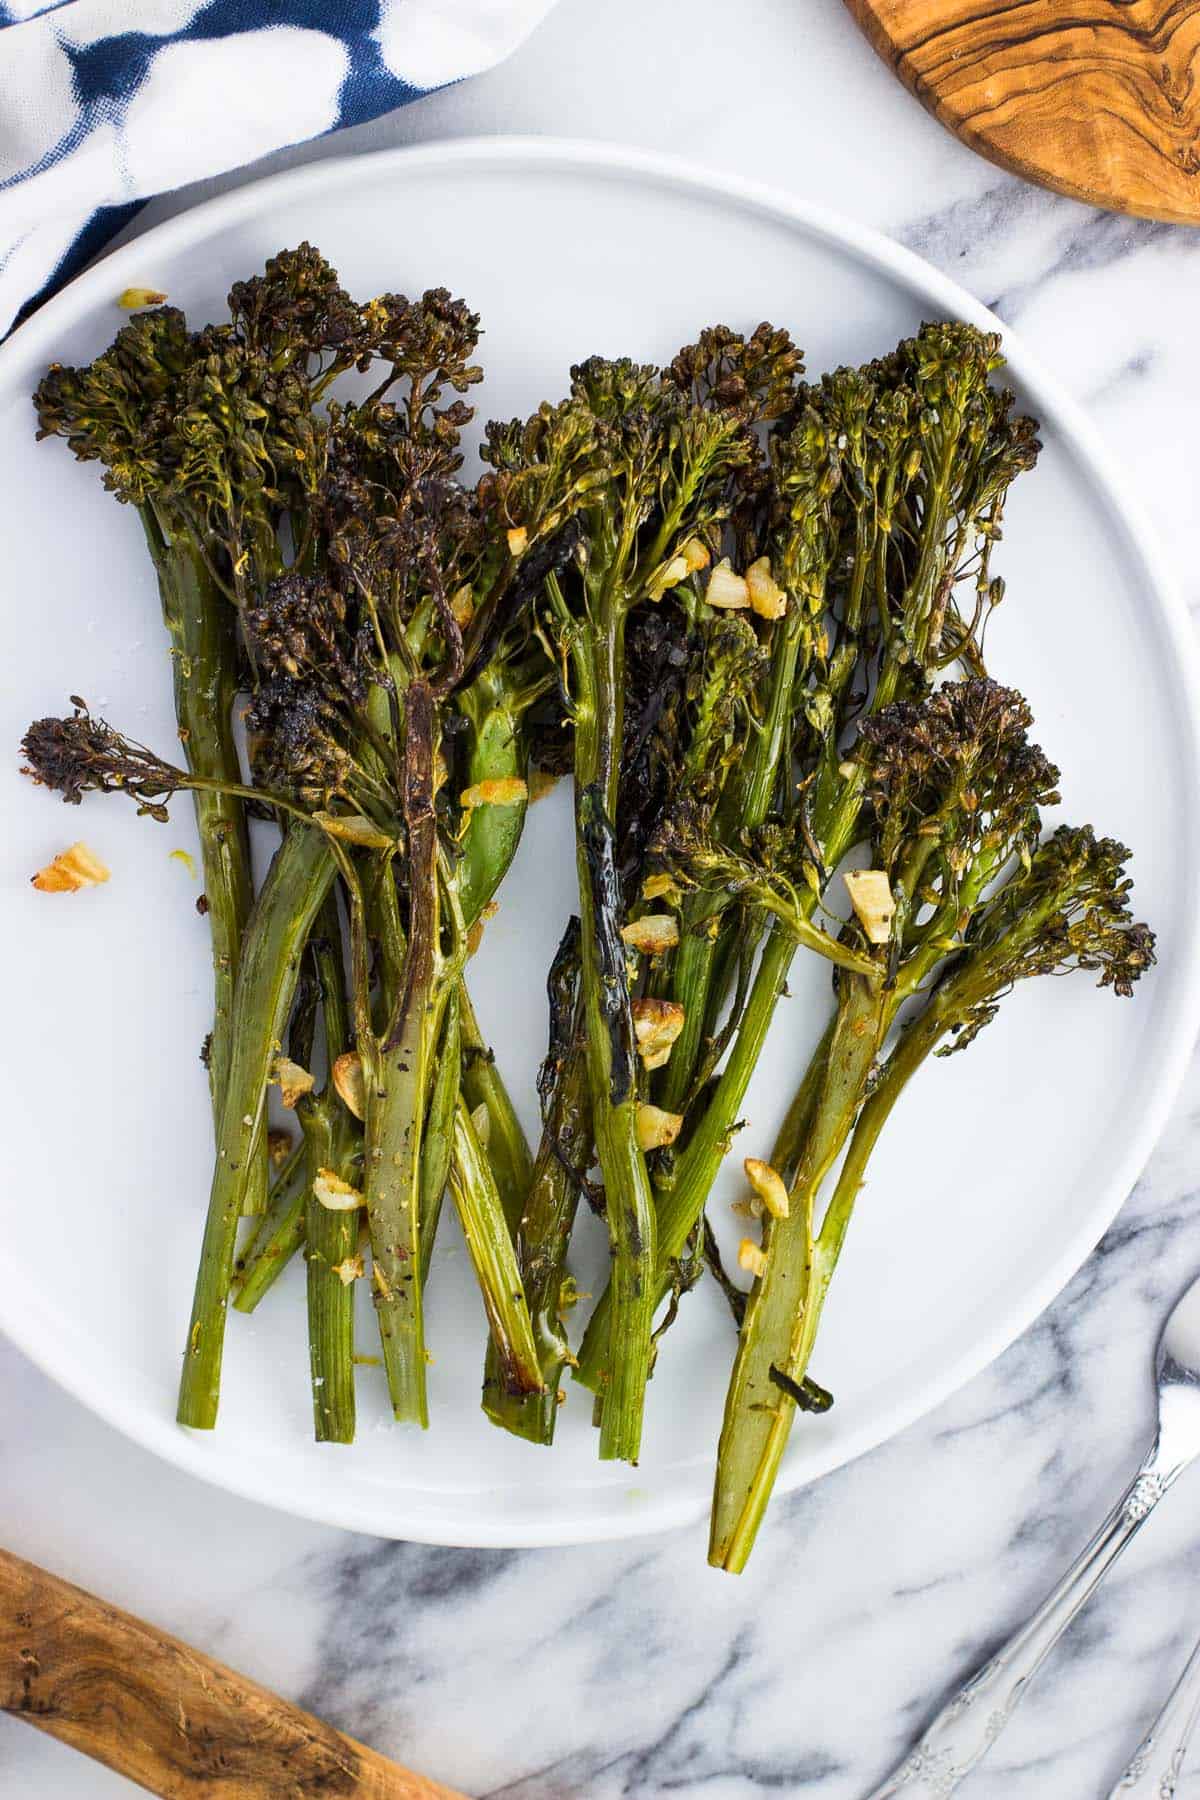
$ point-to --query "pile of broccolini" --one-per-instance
(745, 612)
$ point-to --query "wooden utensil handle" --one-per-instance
(167, 1717)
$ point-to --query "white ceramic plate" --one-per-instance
(1002, 1167)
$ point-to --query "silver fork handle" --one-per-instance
(1157, 1762)
(971, 1722)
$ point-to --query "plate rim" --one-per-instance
(616, 1519)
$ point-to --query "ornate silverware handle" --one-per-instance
(978, 1713)
(1158, 1760)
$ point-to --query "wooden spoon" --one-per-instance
(174, 1721)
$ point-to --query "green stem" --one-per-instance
(202, 628)
(331, 1142)
(611, 1062)
(545, 1229)
(700, 951)
(497, 751)
(396, 1069)
(779, 1326)
(493, 1257)
(276, 934)
(691, 980)
(279, 1234)
(437, 1147)
(331, 1241)
(483, 1085)
(793, 1134)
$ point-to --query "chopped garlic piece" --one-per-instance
(656, 1025)
(518, 537)
(652, 934)
(656, 1128)
(294, 1082)
(669, 577)
(661, 887)
(752, 1258)
(334, 1194)
(133, 297)
(71, 869)
(727, 590)
(871, 897)
(349, 1084)
(695, 555)
(350, 1269)
(766, 596)
(352, 828)
(769, 1186)
(500, 790)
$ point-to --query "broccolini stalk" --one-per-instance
(278, 1235)
(490, 1247)
(332, 1266)
(955, 790)
(278, 928)
(204, 667)
(437, 1143)
(396, 1073)
(550, 1202)
(332, 1261)
(483, 1085)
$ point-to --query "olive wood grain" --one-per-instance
(168, 1718)
(1097, 98)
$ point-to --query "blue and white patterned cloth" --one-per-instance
(106, 102)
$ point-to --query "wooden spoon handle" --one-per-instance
(170, 1719)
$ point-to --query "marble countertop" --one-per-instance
(630, 1669)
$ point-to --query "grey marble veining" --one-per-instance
(630, 1670)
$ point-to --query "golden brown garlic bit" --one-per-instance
(71, 870)
(871, 897)
(294, 1082)
(518, 538)
(500, 790)
(727, 590)
(133, 297)
(766, 596)
(769, 1186)
(661, 887)
(350, 1269)
(352, 828)
(656, 1025)
(335, 1194)
(348, 1083)
(656, 1128)
(652, 934)
(752, 1257)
